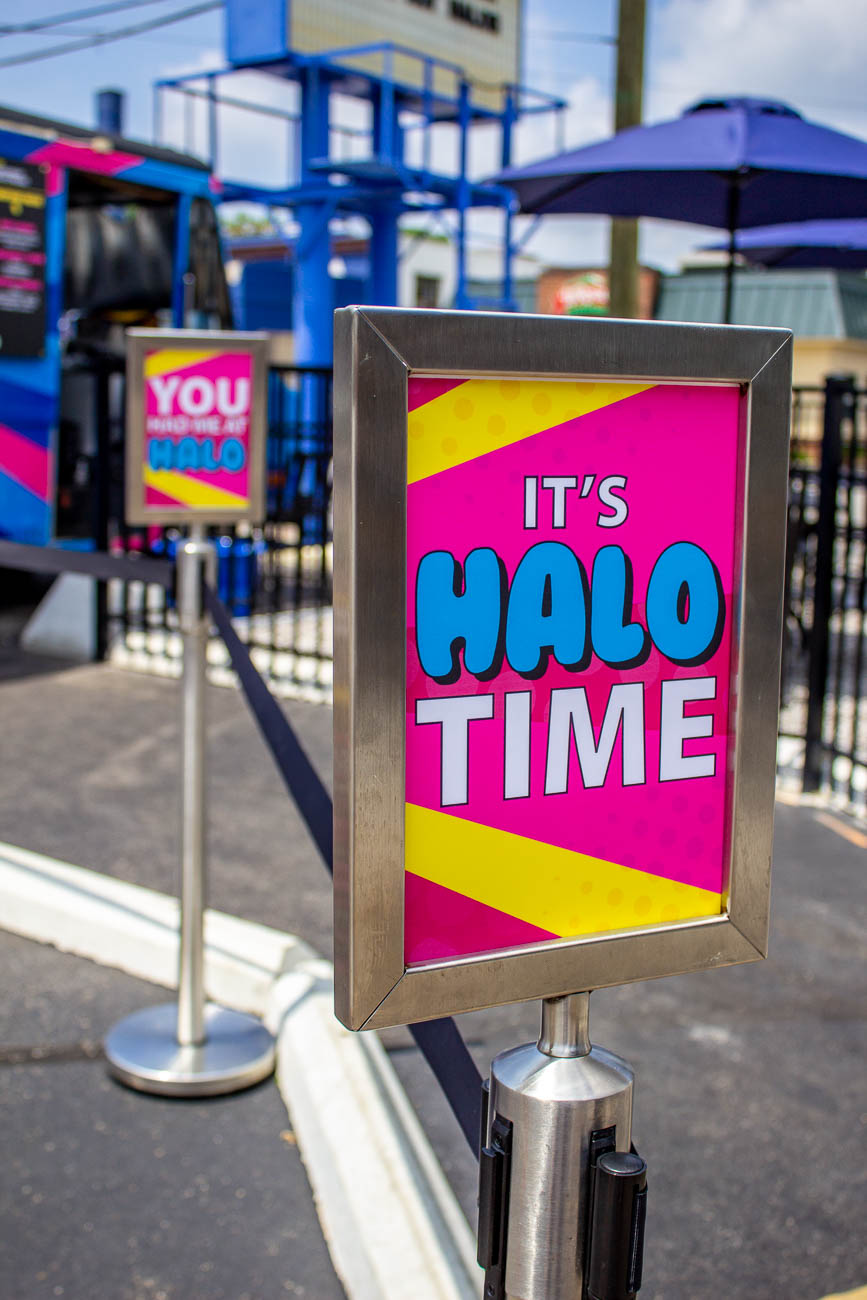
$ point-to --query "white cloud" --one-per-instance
(587, 118)
(204, 61)
(252, 147)
(811, 53)
(568, 241)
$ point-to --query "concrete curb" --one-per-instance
(391, 1221)
(375, 1177)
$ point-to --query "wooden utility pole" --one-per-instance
(623, 272)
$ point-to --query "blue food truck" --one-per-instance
(97, 233)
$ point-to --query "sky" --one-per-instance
(810, 53)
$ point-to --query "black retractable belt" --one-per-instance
(95, 564)
(439, 1041)
(300, 776)
(443, 1047)
(617, 1219)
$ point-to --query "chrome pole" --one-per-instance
(192, 1048)
(558, 1109)
(565, 1027)
(195, 561)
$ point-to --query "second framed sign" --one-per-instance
(559, 558)
(196, 425)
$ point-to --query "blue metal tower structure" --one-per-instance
(378, 182)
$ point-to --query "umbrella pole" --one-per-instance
(730, 281)
(733, 215)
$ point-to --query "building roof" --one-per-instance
(30, 123)
(812, 304)
(487, 294)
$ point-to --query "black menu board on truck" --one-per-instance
(22, 260)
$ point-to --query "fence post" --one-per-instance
(101, 499)
(838, 396)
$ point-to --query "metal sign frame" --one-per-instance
(376, 351)
(139, 343)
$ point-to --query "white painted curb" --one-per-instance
(391, 1221)
(136, 930)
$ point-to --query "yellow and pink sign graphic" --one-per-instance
(197, 420)
(570, 578)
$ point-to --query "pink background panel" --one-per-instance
(68, 153)
(442, 923)
(677, 445)
(421, 390)
(26, 462)
(156, 498)
(233, 366)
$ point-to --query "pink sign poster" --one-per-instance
(570, 577)
(196, 446)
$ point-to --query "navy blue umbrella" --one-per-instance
(733, 163)
(838, 244)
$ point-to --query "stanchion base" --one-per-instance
(143, 1052)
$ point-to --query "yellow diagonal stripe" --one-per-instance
(483, 415)
(555, 889)
(192, 492)
(165, 359)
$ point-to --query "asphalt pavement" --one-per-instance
(107, 1194)
(751, 1093)
(90, 764)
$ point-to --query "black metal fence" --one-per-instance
(276, 580)
(823, 722)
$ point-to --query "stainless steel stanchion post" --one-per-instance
(191, 1048)
(196, 559)
(561, 1194)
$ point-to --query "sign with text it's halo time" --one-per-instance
(568, 806)
(566, 767)
(195, 426)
